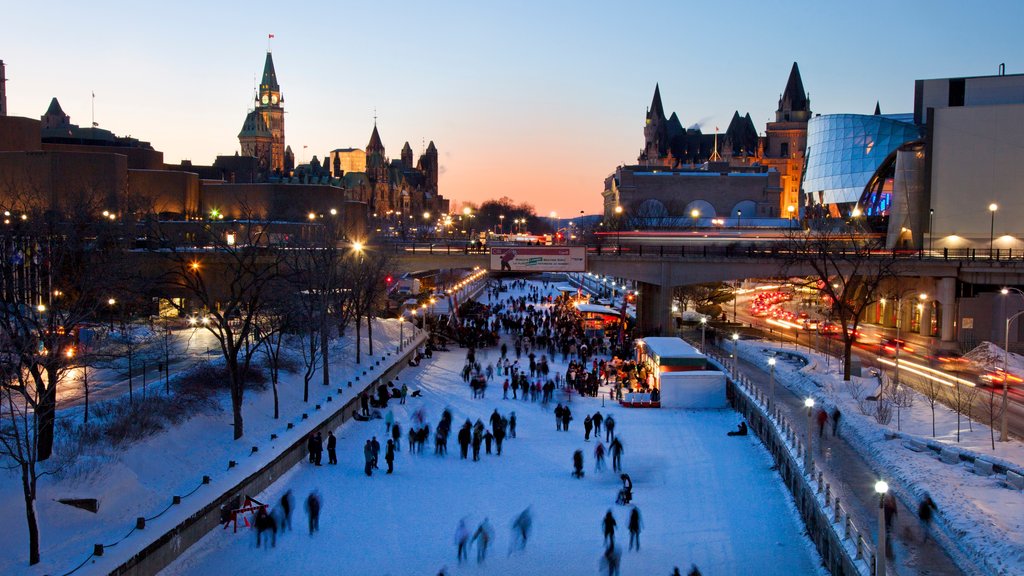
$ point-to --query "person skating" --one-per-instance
(612, 560)
(461, 541)
(499, 438)
(835, 422)
(396, 435)
(588, 425)
(609, 527)
(616, 449)
(925, 511)
(311, 447)
(635, 524)
(364, 403)
(558, 416)
(511, 426)
(597, 419)
(482, 537)
(332, 444)
(478, 438)
(495, 420)
(488, 438)
(577, 464)
(566, 418)
(389, 456)
(368, 456)
(521, 530)
(821, 417)
(599, 457)
(609, 428)
(287, 502)
(318, 448)
(313, 511)
(464, 438)
(376, 452)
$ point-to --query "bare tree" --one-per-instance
(230, 282)
(268, 329)
(368, 289)
(933, 391)
(847, 267)
(960, 401)
(902, 397)
(993, 411)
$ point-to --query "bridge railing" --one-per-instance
(718, 250)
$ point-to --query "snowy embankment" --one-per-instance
(140, 480)
(980, 516)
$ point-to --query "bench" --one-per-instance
(949, 456)
(983, 467)
(915, 445)
(1015, 480)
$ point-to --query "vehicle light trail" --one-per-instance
(923, 371)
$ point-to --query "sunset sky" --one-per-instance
(535, 100)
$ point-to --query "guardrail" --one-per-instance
(845, 547)
(735, 249)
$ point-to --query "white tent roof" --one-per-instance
(668, 347)
(597, 309)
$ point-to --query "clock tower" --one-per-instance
(269, 106)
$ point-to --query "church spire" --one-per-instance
(878, 109)
(657, 111)
(269, 82)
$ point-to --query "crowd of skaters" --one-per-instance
(539, 326)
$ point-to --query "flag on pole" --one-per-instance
(270, 36)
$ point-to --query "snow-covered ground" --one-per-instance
(981, 515)
(705, 498)
(140, 480)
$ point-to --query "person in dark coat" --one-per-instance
(616, 450)
(464, 438)
(311, 447)
(318, 448)
(389, 456)
(822, 418)
(597, 419)
(364, 403)
(588, 425)
(889, 509)
(368, 456)
(577, 464)
(511, 427)
(609, 527)
(332, 444)
(396, 435)
(499, 437)
(609, 428)
(740, 431)
(925, 511)
(488, 439)
(313, 510)
(478, 438)
(835, 422)
(376, 452)
(635, 524)
(566, 418)
(286, 506)
(558, 416)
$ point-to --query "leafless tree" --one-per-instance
(269, 329)
(230, 282)
(958, 399)
(902, 397)
(993, 412)
(369, 290)
(847, 267)
(933, 391)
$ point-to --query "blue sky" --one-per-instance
(534, 100)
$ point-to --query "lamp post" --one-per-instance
(111, 302)
(695, 214)
(501, 225)
(899, 323)
(931, 232)
(401, 331)
(881, 488)
(703, 327)
(808, 458)
(1003, 433)
(992, 227)
(791, 210)
(735, 356)
(771, 382)
(739, 217)
(618, 226)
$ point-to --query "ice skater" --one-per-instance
(462, 541)
(521, 530)
(635, 524)
(313, 505)
(609, 527)
(482, 537)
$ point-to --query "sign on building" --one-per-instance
(539, 259)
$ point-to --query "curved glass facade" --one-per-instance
(845, 150)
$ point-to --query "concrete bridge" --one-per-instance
(658, 269)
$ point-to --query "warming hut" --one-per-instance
(678, 376)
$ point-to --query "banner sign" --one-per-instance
(539, 259)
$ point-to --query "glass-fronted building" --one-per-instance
(845, 150)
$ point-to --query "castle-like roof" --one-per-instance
(794, 96)
(375, 143)
(269, 75)
(254, 125)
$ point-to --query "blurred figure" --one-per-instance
(577, 464)
(925, 511)
(521, 530)
(599, 457)
(263, 523)
(313, 511)
(611, 559)
(482, 537)
(461, 540)
(287, 503)
(389, 455)
(635, 524)
(609, 527)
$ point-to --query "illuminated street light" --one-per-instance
(992, 227)
(808, 457)
(771, 382)
(881, 488)
(357, 246)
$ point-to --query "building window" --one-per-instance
(784, 150)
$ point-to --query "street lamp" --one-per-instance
(111, 302)
(881, 488)
(931, 232)
(899, 322)
(808, 458)
(992, 227)
(771, 382)
(739, 216)
(695, 214)
(501, 226)
(1003, 433)
(703, 326)
(735, 356)
(618, 225)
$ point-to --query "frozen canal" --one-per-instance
(705, 498)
